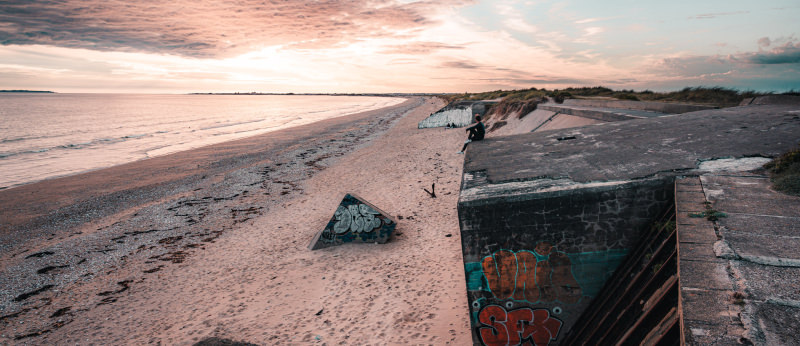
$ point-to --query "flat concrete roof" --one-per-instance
(624, 151)
(618, 112)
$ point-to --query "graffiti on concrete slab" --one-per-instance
(355, 221)
(542, 275)
(516, 327)
(356, 218)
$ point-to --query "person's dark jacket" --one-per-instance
(479, 131)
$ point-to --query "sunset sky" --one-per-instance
(182, 46)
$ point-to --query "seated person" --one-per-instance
(476, 133)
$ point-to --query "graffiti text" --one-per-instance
(516, 327)
(522, 276)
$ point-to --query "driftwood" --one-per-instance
(432, 192)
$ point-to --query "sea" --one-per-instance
(44, 136)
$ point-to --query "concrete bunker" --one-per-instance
(460, 113)
(549, 254)
(558, 235)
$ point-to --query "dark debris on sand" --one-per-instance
(222, 342)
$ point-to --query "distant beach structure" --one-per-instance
(458, 113)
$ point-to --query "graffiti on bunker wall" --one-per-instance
(542, 275)
(541, 281)
(522, 326)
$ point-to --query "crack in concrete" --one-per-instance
(738, 314)
(764, 235)
(772, 261)
(784, 302)
(723, 250)
(763, 215)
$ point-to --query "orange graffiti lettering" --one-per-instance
(517, 327)
(520, 276)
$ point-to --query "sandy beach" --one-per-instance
(213, 242)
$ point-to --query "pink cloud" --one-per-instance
(419, 48)
(207, 28)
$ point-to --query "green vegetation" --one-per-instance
(520, 101)
(785, 172)
(505, 95)
(502, 95)
(713, 96)
(709, 214)
(521, 107)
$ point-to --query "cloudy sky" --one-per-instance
(181, 46)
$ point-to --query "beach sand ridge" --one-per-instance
(224, 254)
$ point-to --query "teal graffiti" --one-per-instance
(475, 279)
(592, 269)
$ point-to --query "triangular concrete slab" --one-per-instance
(355, 221)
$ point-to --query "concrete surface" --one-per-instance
(635, 149)
(739, 274)
(563, 121)
(589, 191)
(658, 107)
(602, 114)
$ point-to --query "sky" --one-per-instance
(384, 46)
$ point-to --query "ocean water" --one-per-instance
(49, 135)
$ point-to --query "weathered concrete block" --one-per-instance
(541, 257)
(355, 221)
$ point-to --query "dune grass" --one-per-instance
(712, 96)
(785, 172)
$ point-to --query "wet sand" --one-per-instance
(212, 243)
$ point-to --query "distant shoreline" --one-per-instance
(326, 94)
(28, 91)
